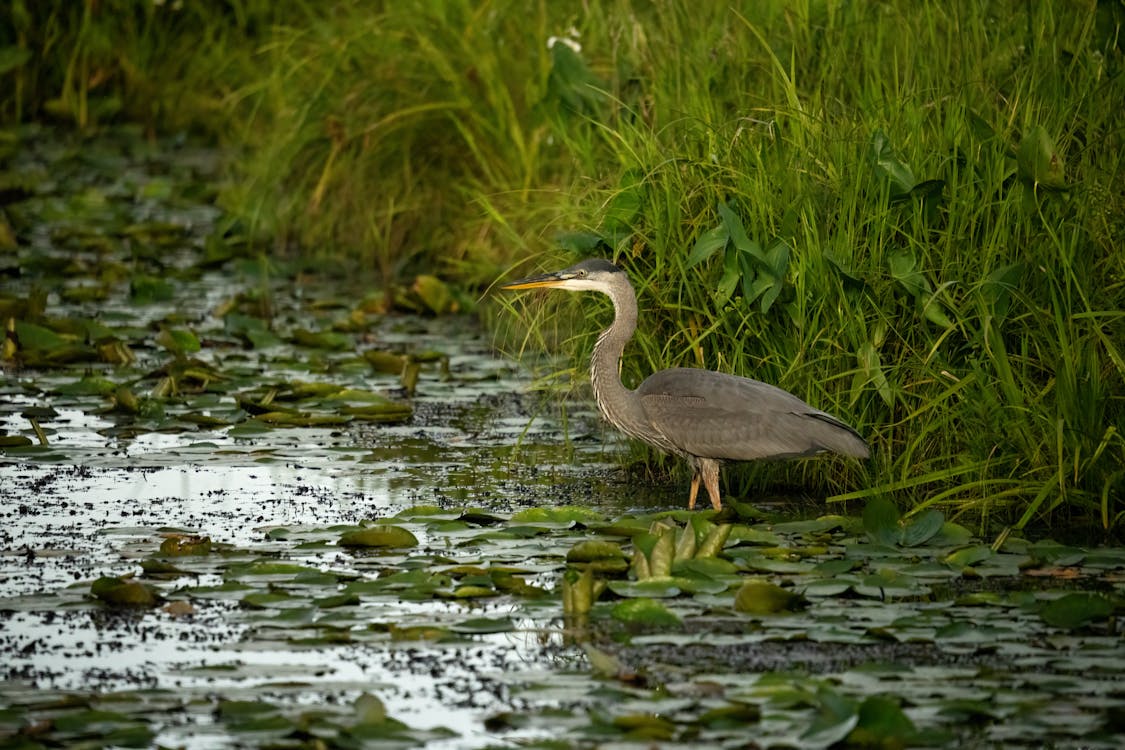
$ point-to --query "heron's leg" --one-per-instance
(694, 490)
(710, 471)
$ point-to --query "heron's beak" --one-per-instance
(557, 278)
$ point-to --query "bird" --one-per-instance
(706, 417)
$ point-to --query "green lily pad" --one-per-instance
(393, 537)
(645, 612)
(758, 597)
(124, 592)
(1075, 610)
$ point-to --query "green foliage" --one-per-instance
(166, 64)
(907, 215)
(875, 208)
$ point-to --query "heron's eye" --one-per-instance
(582, 274)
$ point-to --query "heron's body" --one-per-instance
(706, 417)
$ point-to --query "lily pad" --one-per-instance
(393, 537)
(758, 597)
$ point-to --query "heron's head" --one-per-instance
(592, 275)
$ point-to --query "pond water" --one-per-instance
(243, 506)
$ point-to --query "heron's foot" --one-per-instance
(694, 491)
(710, 472)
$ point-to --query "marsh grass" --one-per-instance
(908, 214)
(915, 235)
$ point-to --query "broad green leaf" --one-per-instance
(880, 521)
(968, 556)
(1038, 160)
(1075, 610)
(12, 57)
(645, 727)
(738, 237)
(579, 591)
(653, 588)
(145, 290)
(709, 243)
(881, 724)
(935, 312)
(178, 340)
(922, 527)
(889, 166)
(435, 294)
(836, 717)
(124, 592)
(904, 270)
(594, 549)
(714, 542)
(394, 537)
(758, 597)
(644, 612)
(179, 546)
(480, 625)
(871, 373)
(560, 514)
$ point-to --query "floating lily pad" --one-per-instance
(124, 592)
(394, 537)
(757, 597)
(645, 612)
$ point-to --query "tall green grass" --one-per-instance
(907, 213)
(167, 65)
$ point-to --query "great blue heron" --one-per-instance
(706, 417)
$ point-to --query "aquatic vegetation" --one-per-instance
(243, 503)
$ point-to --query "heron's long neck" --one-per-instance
(619, 405)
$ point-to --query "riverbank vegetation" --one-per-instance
(910, 215)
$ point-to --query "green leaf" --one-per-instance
(968, 556)
(923, 527)
(837, 716)
(904, 270)
(870, 372)
(594, 549)
(880, 521)
(331, 340)
(714, 542)
(738, 237)
(178, 340)
(653, 588)
(560, 514)
(881, 723)
(758, 597)
(123, 592)
(1038, 161)
(434, 293)
(889, 166)
(180, 545)
(392, 537)
(12, 57)
(145, 290)
(645, 612)
(1075, 610)
(934, 311)
(662, 555)
(482, 625)
(709, 243)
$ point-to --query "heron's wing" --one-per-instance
(725, 417)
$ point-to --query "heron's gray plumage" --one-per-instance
(706, 417)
